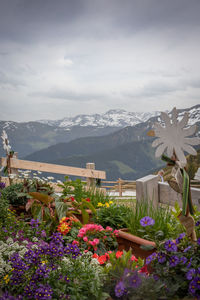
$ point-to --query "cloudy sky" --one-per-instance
(67, 57)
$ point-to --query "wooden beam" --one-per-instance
(52, 168)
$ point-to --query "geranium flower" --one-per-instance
(174, 137)
(147, 221)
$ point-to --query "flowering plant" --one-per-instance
(179, 259)
(95, 238)
(52, 271)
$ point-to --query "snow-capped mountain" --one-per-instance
(112, 118)
(29, 137)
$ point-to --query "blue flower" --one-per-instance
(135, 280)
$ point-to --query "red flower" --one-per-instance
(72, 198)
(134, 258)
(102, 259)
(87, 199)
(119, 254)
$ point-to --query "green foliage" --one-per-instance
(75, 188)
(47, 209)
(13, 196)
(4, 205)
(166, 224)
(113, 216)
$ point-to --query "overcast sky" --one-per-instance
(67, 57)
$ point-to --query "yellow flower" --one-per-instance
(107, 204)
(110, 202)
(44, 261)
(6, 279)
(99, 204)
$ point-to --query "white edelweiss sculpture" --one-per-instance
(174, 138)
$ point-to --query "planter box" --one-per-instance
(126, 241)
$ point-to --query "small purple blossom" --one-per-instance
(181, 236)
(44, 292)
(135, 280)
(2, 185)
(147, 221)
(120, 289)
(34, 223)
(161, 257)
(186, 249)
(173, 261)
(192, 287)
(198, 241)
(183, 260)
(190, 274)
(170, 246)
(197, 223)
(151, 257)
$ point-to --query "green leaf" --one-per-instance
(61, 209)
(42, 197)
(89, 205)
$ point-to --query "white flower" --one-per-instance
(174, 137)
(9, 241)
(50, 178)
(35, 239)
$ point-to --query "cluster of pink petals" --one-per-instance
(89, 227)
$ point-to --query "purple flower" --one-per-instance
(43, 234)
(181, 236)
(170, 246)
(198, 241)
(173, 261)
(43, 292)
(42, 271)
(147, 221)
(120, 289)
(34, 223)
(190, 274)
(151, 257)
(183, 260)
(161, 257)
(192, 287)
(57, 238)
(197, 282)
(6, 296)
(186, 249)
(197, 223)
(2, 185)
(66, 278)
(135, 280)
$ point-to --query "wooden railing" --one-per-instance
(89, 172)
(119, 186)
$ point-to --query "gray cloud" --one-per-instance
(110, 53)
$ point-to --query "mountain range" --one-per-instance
(123, 152)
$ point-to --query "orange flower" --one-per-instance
(63, 228)
(119, 254)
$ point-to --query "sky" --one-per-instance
(68, 57)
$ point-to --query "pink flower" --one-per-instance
(96, 241)
(116, 232)
(85, 238)
(108, 228)
(75, 242)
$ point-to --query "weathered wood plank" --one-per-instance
(52, 168)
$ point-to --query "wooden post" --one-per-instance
(120, 187)
(90, 181)
(12, 170)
